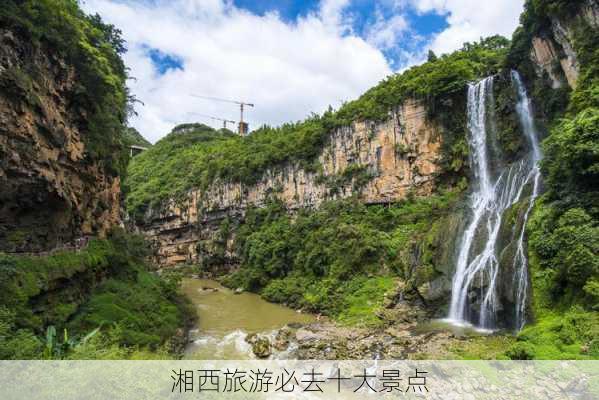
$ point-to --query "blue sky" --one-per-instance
(164, 62)
(361, 14)
(364, 10)
(289, 10)
(289, 58)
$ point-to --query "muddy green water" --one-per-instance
(225, 318)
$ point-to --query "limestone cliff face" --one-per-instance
(379, 162)
(554, 53)
(51, 191)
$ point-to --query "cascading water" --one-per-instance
(477, 267)
(524, 111)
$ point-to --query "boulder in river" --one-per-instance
(238, 291)
(281, 341)
(261, 346)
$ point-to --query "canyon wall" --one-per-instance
(380, 162)
(52, 192)
(553, 52)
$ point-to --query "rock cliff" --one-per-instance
(52, 190)
(553, 51)
(380, 162)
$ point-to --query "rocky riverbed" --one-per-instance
(330, 341)
(244, 326)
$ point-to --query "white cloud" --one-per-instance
(331, 14)
(287, 69)
(469, 20)
(385, 33)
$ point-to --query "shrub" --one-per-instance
(329, 260)
(521, 351)
(571, 160)
(67, 292)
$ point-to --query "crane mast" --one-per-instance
(224, 121)
(242, 127)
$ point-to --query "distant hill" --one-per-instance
(133, 137)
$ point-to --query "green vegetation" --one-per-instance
(133, 137)
(340, 259)
(99, 100)
(535, 22)
(355, 174)
(52, 305)
(566, 249)
(142, 308)
(207, 155)
(167, 168)
(508, 138)
(571, 335)
(564, 268)
(364, 297)
(437, 82)
(564, 228)
(481, 347)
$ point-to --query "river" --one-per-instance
(226, 318)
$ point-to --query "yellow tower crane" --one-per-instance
(224, 121)
(243, 127)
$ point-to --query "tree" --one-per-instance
(432, 57)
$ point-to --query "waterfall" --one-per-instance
(524, 110)
(477, 267)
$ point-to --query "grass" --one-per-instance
(491, 347)
(364, 298)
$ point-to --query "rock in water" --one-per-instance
(281, 341)
(261, 346)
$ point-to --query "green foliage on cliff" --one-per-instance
(572, 159)
(507, 138)
(437, 82)
(564, 241)
(329, 260)
(104, 286)
(133, 137)
(165, 168)
(174, 166)
(586, 46)
(535, 22)
(355, 174)
(143, 309)
(563, 230)
(564, 267)
(197, 156)
(99, 98)
(566, 250)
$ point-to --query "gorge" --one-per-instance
(463, 189)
